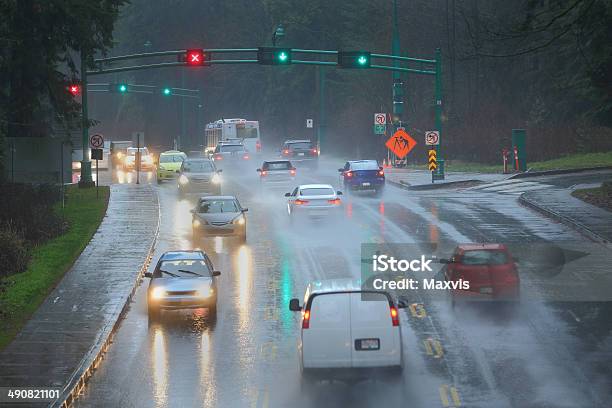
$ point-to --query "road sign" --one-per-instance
(309, 123)
(96, 141)
(96, 154)
(380, 129)
(401, 143)
(432, 138)
(380, 119)
(433, 161)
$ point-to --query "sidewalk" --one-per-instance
(66, 335)
(421, 179)
(559, 204)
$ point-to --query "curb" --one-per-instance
(559, 171)
(90, 362)
(593, 236)
(434, 186)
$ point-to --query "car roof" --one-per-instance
(472, 247)
(315, 186)
(187, 254)
(169, 152)
(362, 161)
(218, 197)
(198, 159)
(298, 141)
(230, 144)
(335, 285)
(276, 161)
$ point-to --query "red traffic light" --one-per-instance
(195, 57)
(74, 89)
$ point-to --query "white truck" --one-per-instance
(235, 130)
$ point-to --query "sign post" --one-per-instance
(96, 143)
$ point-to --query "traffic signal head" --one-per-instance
(354, 59)
(195, 58)
(274, 56)
(122, 88)
(74, 89)
(166, 91)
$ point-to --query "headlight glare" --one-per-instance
(196, 223)
(216, 179)
(183, 180)
(158, 293)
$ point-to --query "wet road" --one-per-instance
(545, 354)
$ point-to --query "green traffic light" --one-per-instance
(282, 56)
(123, 88)
(362, 60)
(167, 91)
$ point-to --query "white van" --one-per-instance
(346, 327)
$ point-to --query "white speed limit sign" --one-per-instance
(432, 137)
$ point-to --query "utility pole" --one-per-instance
(86, 179)
(438, 110)
(398, 93)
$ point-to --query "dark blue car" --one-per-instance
(363, 175)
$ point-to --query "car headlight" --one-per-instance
(183, 180)
(240, 220)
(196, 223)
(205, 292)
(158, 293)
(216, 179)
(119, 155)
(147, 159)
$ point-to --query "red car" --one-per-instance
(489, 269)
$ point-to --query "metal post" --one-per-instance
(398, 103)
(12, 160)
(138, 158)
(97, 179)
(322, 112)
(181, 138)
(86, 179)
(438, 110)
(198, 119)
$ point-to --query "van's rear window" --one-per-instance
(479, 257)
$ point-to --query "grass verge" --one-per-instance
(21, 294)
(599, 196)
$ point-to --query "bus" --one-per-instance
(245, 131)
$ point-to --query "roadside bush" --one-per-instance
(29, 209)
(14, 254)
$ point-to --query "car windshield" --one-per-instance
(185, 268)
(277, 166)
(365, 165)
(299, 145)
(218, 206)
(482, 257)
(231, 148)
(197, 166)
(132, 151)
(171, 158)
(316, 191)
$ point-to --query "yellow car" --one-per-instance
(169, 164)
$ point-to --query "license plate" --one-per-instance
(486, 290)
(365, 184)
(300, 154)
(367, 344)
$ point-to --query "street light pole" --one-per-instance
(438, 112)
(398, 102)
(86, 179)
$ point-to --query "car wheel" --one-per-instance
(154, 313)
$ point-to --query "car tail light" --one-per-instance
(314, 152)
(245, 157)
(301, 202)
(292, 172)
(394, 316)
(218, 157)
(349, 174)
(263, 173)
(258, 146)
(381, 173)
(286, 152)
(306, 319)
(335, 201)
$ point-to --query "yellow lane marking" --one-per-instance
(433, 347)
(418, 310)
(444, 391)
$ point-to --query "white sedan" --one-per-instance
(313, 200)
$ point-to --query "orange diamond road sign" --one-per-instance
(401, 143)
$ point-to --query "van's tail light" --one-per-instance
(314, 152)
(245, 157)
(258, 146)
(381, 173)
(394, 316)
(292, 172)
(286, 152)
(349, 174)
(301, 202)
(335, 201)
(306, 319)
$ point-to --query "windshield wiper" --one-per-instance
(169, 273)
(190, 272)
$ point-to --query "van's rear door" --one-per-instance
(327, 340)
(375, 341)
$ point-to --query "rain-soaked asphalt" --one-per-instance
(542, 354)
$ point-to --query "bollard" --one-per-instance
(505, 154)
(516, 160)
